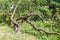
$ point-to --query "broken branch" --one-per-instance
(39, 29)
(12, 19)
(28, 15)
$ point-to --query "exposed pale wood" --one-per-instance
(16, 26)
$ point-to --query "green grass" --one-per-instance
(7, 33)
(28, 33)
(27, 28)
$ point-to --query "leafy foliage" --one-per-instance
(44, 8)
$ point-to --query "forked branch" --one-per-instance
(28, 20)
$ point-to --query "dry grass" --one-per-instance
(6, 33)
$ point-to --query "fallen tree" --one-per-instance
(27, 18)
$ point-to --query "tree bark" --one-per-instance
(16, 26)
(40, 29)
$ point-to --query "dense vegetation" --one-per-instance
(49, 10)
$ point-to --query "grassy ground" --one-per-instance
(7, 33)
(27, 28)
(28, 33)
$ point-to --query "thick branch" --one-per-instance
(28, 15)
(12, 19)
(39, 29)
(16, 26)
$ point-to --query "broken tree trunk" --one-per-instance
(26, 18)
(33, 25)
(16, 26)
